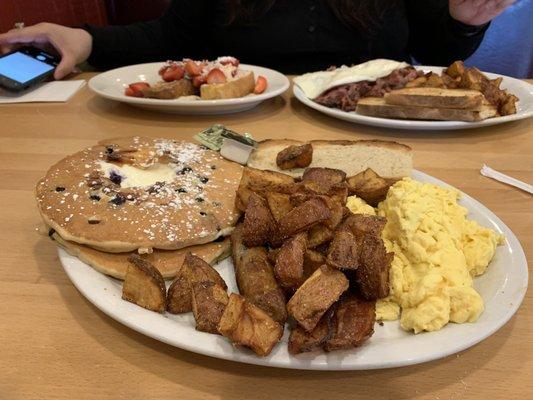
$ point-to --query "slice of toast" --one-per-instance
(170, 90)
(239, 87)
(435, 97)
(390, 160)
(377, 107)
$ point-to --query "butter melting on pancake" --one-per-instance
(139, 193)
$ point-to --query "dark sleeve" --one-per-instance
(176, 34)
(435, 38)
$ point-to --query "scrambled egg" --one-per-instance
(437, 251)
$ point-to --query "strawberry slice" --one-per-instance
(192, 68)
(260, 85)
(135, 89)
(198, 81)
(216, 76)
(173, 73)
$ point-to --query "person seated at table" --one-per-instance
(291, 36)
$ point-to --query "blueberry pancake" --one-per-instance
(140, 194)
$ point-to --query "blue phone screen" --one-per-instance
(22, 68)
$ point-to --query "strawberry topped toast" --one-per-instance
(206, 80)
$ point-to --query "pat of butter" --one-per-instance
(136, 177)
(236, 151)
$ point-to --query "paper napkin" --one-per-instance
(56, 91)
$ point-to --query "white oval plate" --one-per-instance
(111, 85)
(502, 287)
(521, 89)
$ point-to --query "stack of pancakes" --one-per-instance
(157, 197)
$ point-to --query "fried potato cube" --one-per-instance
(246, 325)
(508, 106)
(261, 182)
(295, 156)
(279, 204)
(372, 276)
(144, 285)
(321, 180)
(361, 225)
(259, 225)
(417, 82)
(449, 82)
(193, 270)
(313, 260)
(352, 323)
(434, 80)
(289, 267)
(316, 295)
(301, 341)
(318, 235)
(343, 251)
(337, 212)
(304, 217)
(369, 186)
(255, 277)
(455, 70)
(339, 192)
(208, 303)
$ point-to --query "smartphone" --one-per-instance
(25, 67)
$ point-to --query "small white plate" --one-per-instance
(521, 89)
(111, 85)
(502, 287)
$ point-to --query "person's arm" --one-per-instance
(180, 32)
(435, 38)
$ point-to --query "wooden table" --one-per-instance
(55, 345)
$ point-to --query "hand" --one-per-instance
(73, 45)
(477, 12)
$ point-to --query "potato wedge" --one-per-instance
(295, 156)
(259, 227)
(246, 325)
(279, 204)
(301, 341)
(318, 235)
(361, 225)
(343, 251)
(316, 295)
(322, 180)
(313, 260)
(209, 301)
(194, 269)
(144, 285)
(352, 323)
(304, 217)
(372, 275)
(289, 267)
(369, 186)
(255, 277)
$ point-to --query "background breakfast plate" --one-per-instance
(521, 89)
(502, 287)
(111, 85)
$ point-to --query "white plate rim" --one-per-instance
(417, 124)
(201, 104)
(143, 317)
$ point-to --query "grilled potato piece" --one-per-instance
(321, 180)
(417, 82)
(295, 156)
(262, 182)
(318, 235)
(247, 325)
(352, 323)
(361, 225)
(194, 269)
(457, 69)
(301, 341)
(144, 285)
(343, 251)
(316, 295)
(434, 80)
(208, 303)
(255, 277)
(369, 186)
(279, 204)
(259, 226)
(372, 276)
(289, 267)
(303, 217)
